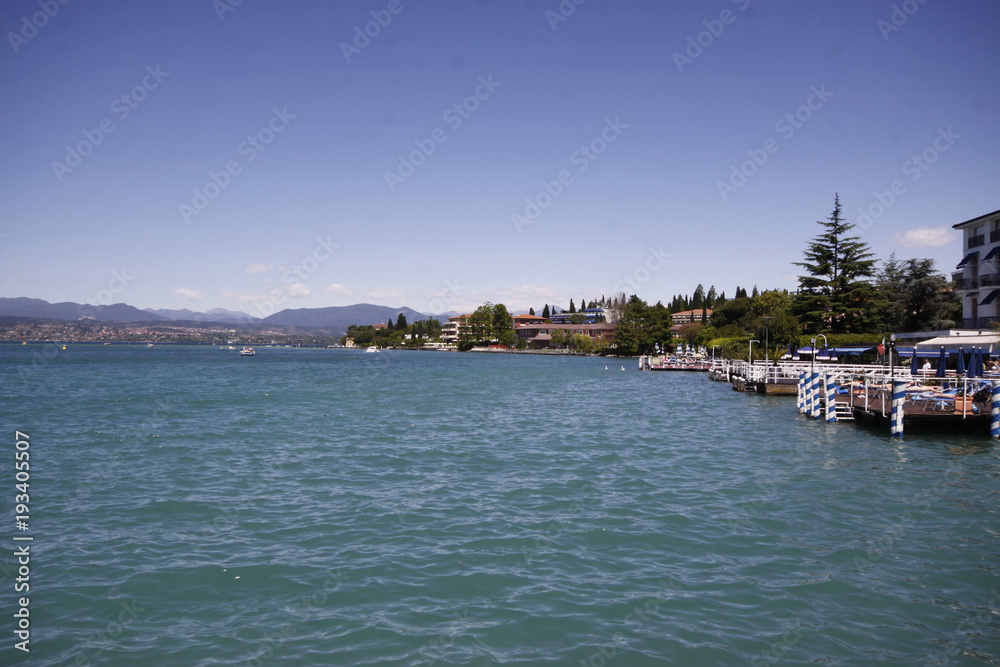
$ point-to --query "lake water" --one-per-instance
(330, 507)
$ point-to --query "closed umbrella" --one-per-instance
(914, 367)
(960, 368)
(980, 366)
(942, 362)
(973, 364)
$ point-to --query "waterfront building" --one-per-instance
(590, 316)
(539, 336)
(977, 276)
(691, 316)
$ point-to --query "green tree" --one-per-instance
(400, 322)
(577, 318)
(545, 311)
(835, 293)
(479, 325)
(698, 299)
(710, 297)
(642, 327)
(915, 297)
(502, 326)
(582, 342)
(531, 311)
(731, 312)
(572, 308)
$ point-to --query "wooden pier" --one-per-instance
(872, 394)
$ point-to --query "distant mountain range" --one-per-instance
(338, 318)
(67, 310)
(214, 315)
(334, 319)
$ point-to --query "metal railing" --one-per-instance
(966, 283)
(989, 279)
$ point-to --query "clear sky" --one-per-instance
(191, 154)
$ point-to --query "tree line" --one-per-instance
(398, 334)
(842, 293)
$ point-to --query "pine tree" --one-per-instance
(572, 308)
(755, 293)
(400, 322)
(710, 297)
(389, 325)
(698, 300)
(531, 311)
(545, 311)
(835, 294)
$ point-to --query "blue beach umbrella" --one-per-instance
(973, 363)
(942, 361)
(960, 368)
(914, 368)
(979, 362)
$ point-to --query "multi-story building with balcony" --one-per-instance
(977, 277)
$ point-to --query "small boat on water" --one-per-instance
(372, 348)
(149, 345)
(247, 352)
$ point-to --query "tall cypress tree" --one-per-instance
(545, 311)
(835, 294)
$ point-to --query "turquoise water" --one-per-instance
(330, 507)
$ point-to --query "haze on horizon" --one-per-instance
(254, 156)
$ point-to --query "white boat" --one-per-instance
(247, 352)
(372, 348)
(149, 345)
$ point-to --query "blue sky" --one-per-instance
(272, 155)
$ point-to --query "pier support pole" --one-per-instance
(815, 396)
(995, 412)
(802, 392)
(898, 400)
(831, 399)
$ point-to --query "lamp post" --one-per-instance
(750, 354)
(812, 357)
(767, 339)
(892, 348)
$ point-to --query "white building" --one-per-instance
(978, 276)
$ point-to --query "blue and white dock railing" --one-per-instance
(815, 396)
(995, 410)
(898, 401)
(802, 392)
(831, 399)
